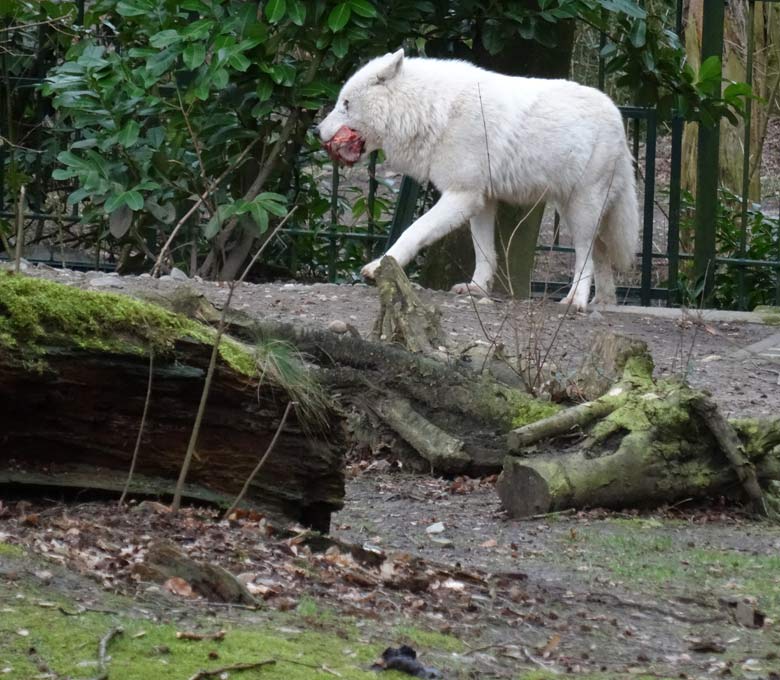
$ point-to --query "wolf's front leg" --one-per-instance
(453, 209)
(483, 227)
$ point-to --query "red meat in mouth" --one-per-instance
(346, 146)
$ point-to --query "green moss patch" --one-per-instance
(527, 409)
(34, 632)
(37, 314)
(769, 315)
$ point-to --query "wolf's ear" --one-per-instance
(391, 68)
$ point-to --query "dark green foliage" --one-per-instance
(158, 99)
(762, 243)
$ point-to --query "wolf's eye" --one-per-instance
(346, 104)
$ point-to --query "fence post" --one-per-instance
(334, 221)
(751, 43)
(707, 162)
(675, 189)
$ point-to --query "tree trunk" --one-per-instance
(765, 79)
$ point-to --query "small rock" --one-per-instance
(105, 282)
(436, 528)
(711, 357)
(178, 275)
(708, 647)
(44, 575)
(442, 541)
(747, 615)
(337, 326)
(485, 301)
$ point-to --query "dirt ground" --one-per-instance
(703, 353)
(683, 592)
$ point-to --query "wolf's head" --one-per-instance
(356, 124)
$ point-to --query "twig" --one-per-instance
(191, 635)
(554, 513)
(577, 280)
(540, 663)
(5, 140)
(197, 146)
(261, 462)
(6, 245)
(103, 651)
(209, 190)
(19, 230)
(313, 666)
(235, 667)
(48, 22)
(176, 504)
(512, 236)
(140, 429)
(487, 148)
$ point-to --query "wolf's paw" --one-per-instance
(470, 289)
(577, 306)
(604, 300)
(369, 271)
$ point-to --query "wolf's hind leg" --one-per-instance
(605, 281)
(451, 210)
(483, 226)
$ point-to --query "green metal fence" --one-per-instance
(644, 130)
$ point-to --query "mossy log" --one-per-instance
(653, 444)
(74, 369)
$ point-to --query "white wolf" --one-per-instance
(482, 137)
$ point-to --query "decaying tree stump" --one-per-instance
(642, 444)
(403, 318)
(73, 376)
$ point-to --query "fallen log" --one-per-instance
(643, 444)
(73, 381)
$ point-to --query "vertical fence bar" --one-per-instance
(777, 255)
(647, 232)
(334, 220)
(635, 123)
(708, 159)
(675, 190)
(370, 202)
(602, 45)
(746, 154)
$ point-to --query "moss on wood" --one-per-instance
(36, 314)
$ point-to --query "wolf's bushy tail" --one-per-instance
(620, 230)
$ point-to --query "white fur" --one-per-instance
(482, 137)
